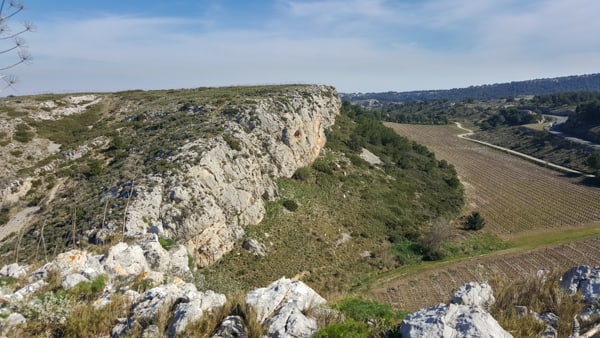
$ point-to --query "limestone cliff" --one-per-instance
(192, 165)
(223, 181)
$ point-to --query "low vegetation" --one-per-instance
(378, 208)
(360, 318)
(538, 293)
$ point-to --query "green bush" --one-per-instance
(232, 143)
(474, 221)
(302, 174)
(90, 290)
(348, 329)
(366, 310)
(4, 218)
(290, 205)
(323, 166)
(166, 243)
(23, 133)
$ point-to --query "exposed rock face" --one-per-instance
(280, 308)
(452, 321)
(223, 180)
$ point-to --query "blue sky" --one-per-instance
(354, 45)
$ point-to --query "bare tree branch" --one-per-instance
(18, 45)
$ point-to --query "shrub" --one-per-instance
(90, 290)
(302, 174)
(366, 310)
(474, 221)
(232, 143)
(89, 321)
(364, 318)
(350, 328)
(166, 243)
(290, 205)
(23, 133)
(323, 166)
(4, 215)
(539, 294)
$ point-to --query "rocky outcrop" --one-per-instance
(452, 321)
(281, 308)
(474, 294)
(584, 279)
(222, 182)
(465, 316)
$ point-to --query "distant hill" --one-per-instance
(590, 82)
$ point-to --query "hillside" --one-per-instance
(589, 82)
(121, 198)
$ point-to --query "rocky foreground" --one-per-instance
(285, 308)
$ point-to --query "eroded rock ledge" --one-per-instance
(222, 182)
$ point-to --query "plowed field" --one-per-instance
(517, 198)
(513, 195)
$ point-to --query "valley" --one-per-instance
(548, 220)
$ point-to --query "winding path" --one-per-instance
(469, 132)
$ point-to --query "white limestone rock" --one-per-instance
(78, 261)
(144, 211)
(222, 184)
(191, 304)
(124, 260)
(14, 270)
(71, 280)
(232, 326)
(474, 294)
(281, 307)
(173, 262)
(190, 310)
(584, 279)
(255, 247)
(453, 321)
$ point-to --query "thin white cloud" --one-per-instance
(356, 45)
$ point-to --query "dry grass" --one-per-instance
(540, 294)
(235, 306)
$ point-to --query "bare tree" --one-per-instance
(13, 45)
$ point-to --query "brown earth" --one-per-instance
(519, 200)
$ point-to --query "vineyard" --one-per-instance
(521, 202)
(433, 286)
(513, 195)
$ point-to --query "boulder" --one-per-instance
(281, 307)
(231, 327)
(452, 320)
(124, 260)
(189, 305)
(173, 262)
(584, 279)
(70, 262)
(190, 310)
(13, 319)
(474, 294)
(29, 289)
(70, 281)
(14, 270)
(255, 247)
